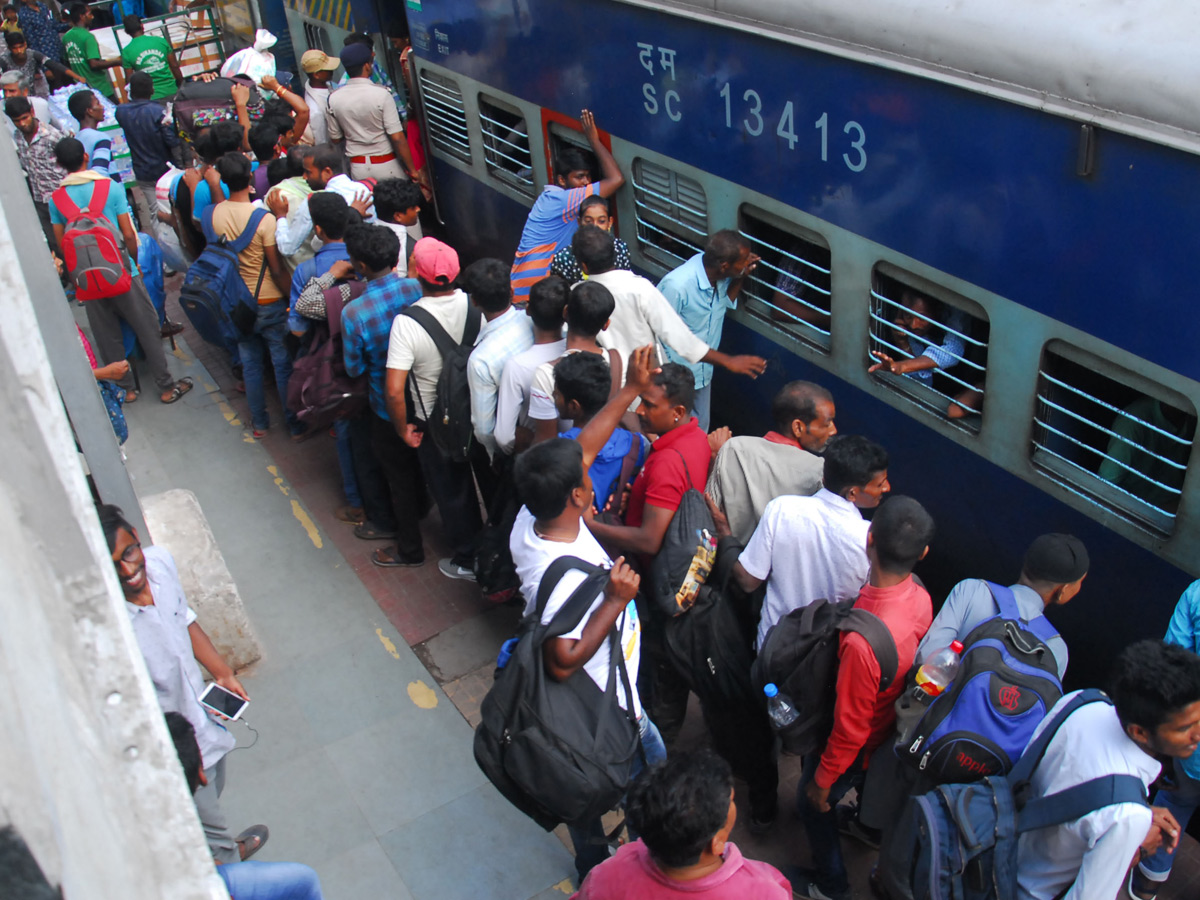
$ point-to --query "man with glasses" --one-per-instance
(172, 642)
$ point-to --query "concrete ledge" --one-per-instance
(177, 523)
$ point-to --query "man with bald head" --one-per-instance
(750, 472)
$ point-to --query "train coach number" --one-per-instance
(753, 123)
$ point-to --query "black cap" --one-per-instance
(1056, 559)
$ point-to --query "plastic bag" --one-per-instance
(254, 62)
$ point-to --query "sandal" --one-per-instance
(251, 840)
(178, 389)
(368, 532)
(259, 433)
(387, 558)
(131, 396)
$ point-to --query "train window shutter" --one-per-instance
(445, 115)
(506, 144)
(671, 211)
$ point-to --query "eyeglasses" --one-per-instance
(132, 552)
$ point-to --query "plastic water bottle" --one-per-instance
(779, 707)
(939, 670)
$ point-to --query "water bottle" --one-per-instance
(779, 708)
(939, 670)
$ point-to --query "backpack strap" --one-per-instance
(427, 320)
(883, 645)
(1007, 604)
(95, 207)
(614, 370)
(571, 613)
(206, 224)
(242, 241)
(628, 462)
(1070, 804)
(1023, 770)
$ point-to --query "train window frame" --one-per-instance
(652, 218)
(1071, 474)
(440, 115)
(933, 400)
(316, 36)
(815, 275)
(496, 170)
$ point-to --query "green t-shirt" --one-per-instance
(81, 46)
(149, 53)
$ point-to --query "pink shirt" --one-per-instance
(632, 875)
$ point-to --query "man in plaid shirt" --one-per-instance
(389, 474)
(35, 149)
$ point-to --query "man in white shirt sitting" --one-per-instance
(1155, 689)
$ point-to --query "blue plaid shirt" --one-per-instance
(366, 328)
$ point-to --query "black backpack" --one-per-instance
(686, 557)
(800, 656)
(559, 751)
(979, 726)
(495, 572)
(449, 422)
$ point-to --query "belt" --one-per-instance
(373, 160)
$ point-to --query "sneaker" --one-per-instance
(804, 885)
(170, 329)
(848, 824)
(451, 569)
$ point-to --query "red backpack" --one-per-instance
(93, 251)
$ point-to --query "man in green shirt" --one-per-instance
(152, 54)
(83, 52)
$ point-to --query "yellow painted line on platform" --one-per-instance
(279, 480)
(422, 694)
(180, 355)
(302, 517)
(388, 644)
(565, 886)
(229, 413)
(208, 388)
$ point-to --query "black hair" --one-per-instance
(354, 217)
(79, 103)
(234, 170)
(678, 383)
(397, 28)
(571, 159)
(395, 195)
(594, 200)
(678, 806)
(112, 519)
(17, 106)
(547, 300)
(595, 248)
(852, 461)
(186, 748)
(296, 155)
(374, 246)
(1151, 681)
(278, 170)
(141, 86)
(901, 530)
(489, 283)
(724, 246)
(797, 400)
(331, 212)
(589, 307)
(263, 137)
(76, 11)
(68, 152)
(358, 37)
(8, 6)
(328, 156)
(132, 25)
(584, 378)
(546, 473)
(14, 38)
(215, 141)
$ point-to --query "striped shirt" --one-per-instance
(552, 223)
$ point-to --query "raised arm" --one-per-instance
(610, 174)
(292, 99)
(596, 433)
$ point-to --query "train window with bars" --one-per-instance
(671, 212)
(445, 115)
(791, 285)
(1111, 435)
(317, 37)
(929, 344)
(506, 144)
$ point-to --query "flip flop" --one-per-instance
(387, 559)
(131, 397)
(251, 840)
(178, 389)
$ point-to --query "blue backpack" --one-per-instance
(214, 296)
(967, 835)
(1006, 684)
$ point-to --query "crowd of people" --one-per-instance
(559, 403)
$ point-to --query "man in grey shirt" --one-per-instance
(1051, 574)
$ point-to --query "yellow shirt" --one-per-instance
(229, 219)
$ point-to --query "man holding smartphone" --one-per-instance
(172, 642)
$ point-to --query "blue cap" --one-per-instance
(355, 56)
(770, 690)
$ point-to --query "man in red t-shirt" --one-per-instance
(863, 715)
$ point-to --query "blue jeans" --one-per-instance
(341, 428)
(1181, 799)
(270, 881)
(269, 328)
(702, 406)
(591, 847)
(821, 827)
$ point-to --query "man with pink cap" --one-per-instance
(414, 365)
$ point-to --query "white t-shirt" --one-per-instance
(541, 391)
(401, 232)
(533, 555)
(1093, 851)
(512, 401)
(412, 349)
(644, 316)
(807, 549)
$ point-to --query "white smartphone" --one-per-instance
(222, 702)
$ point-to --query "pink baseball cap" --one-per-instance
(435, 261)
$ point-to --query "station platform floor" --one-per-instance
(370, 682)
